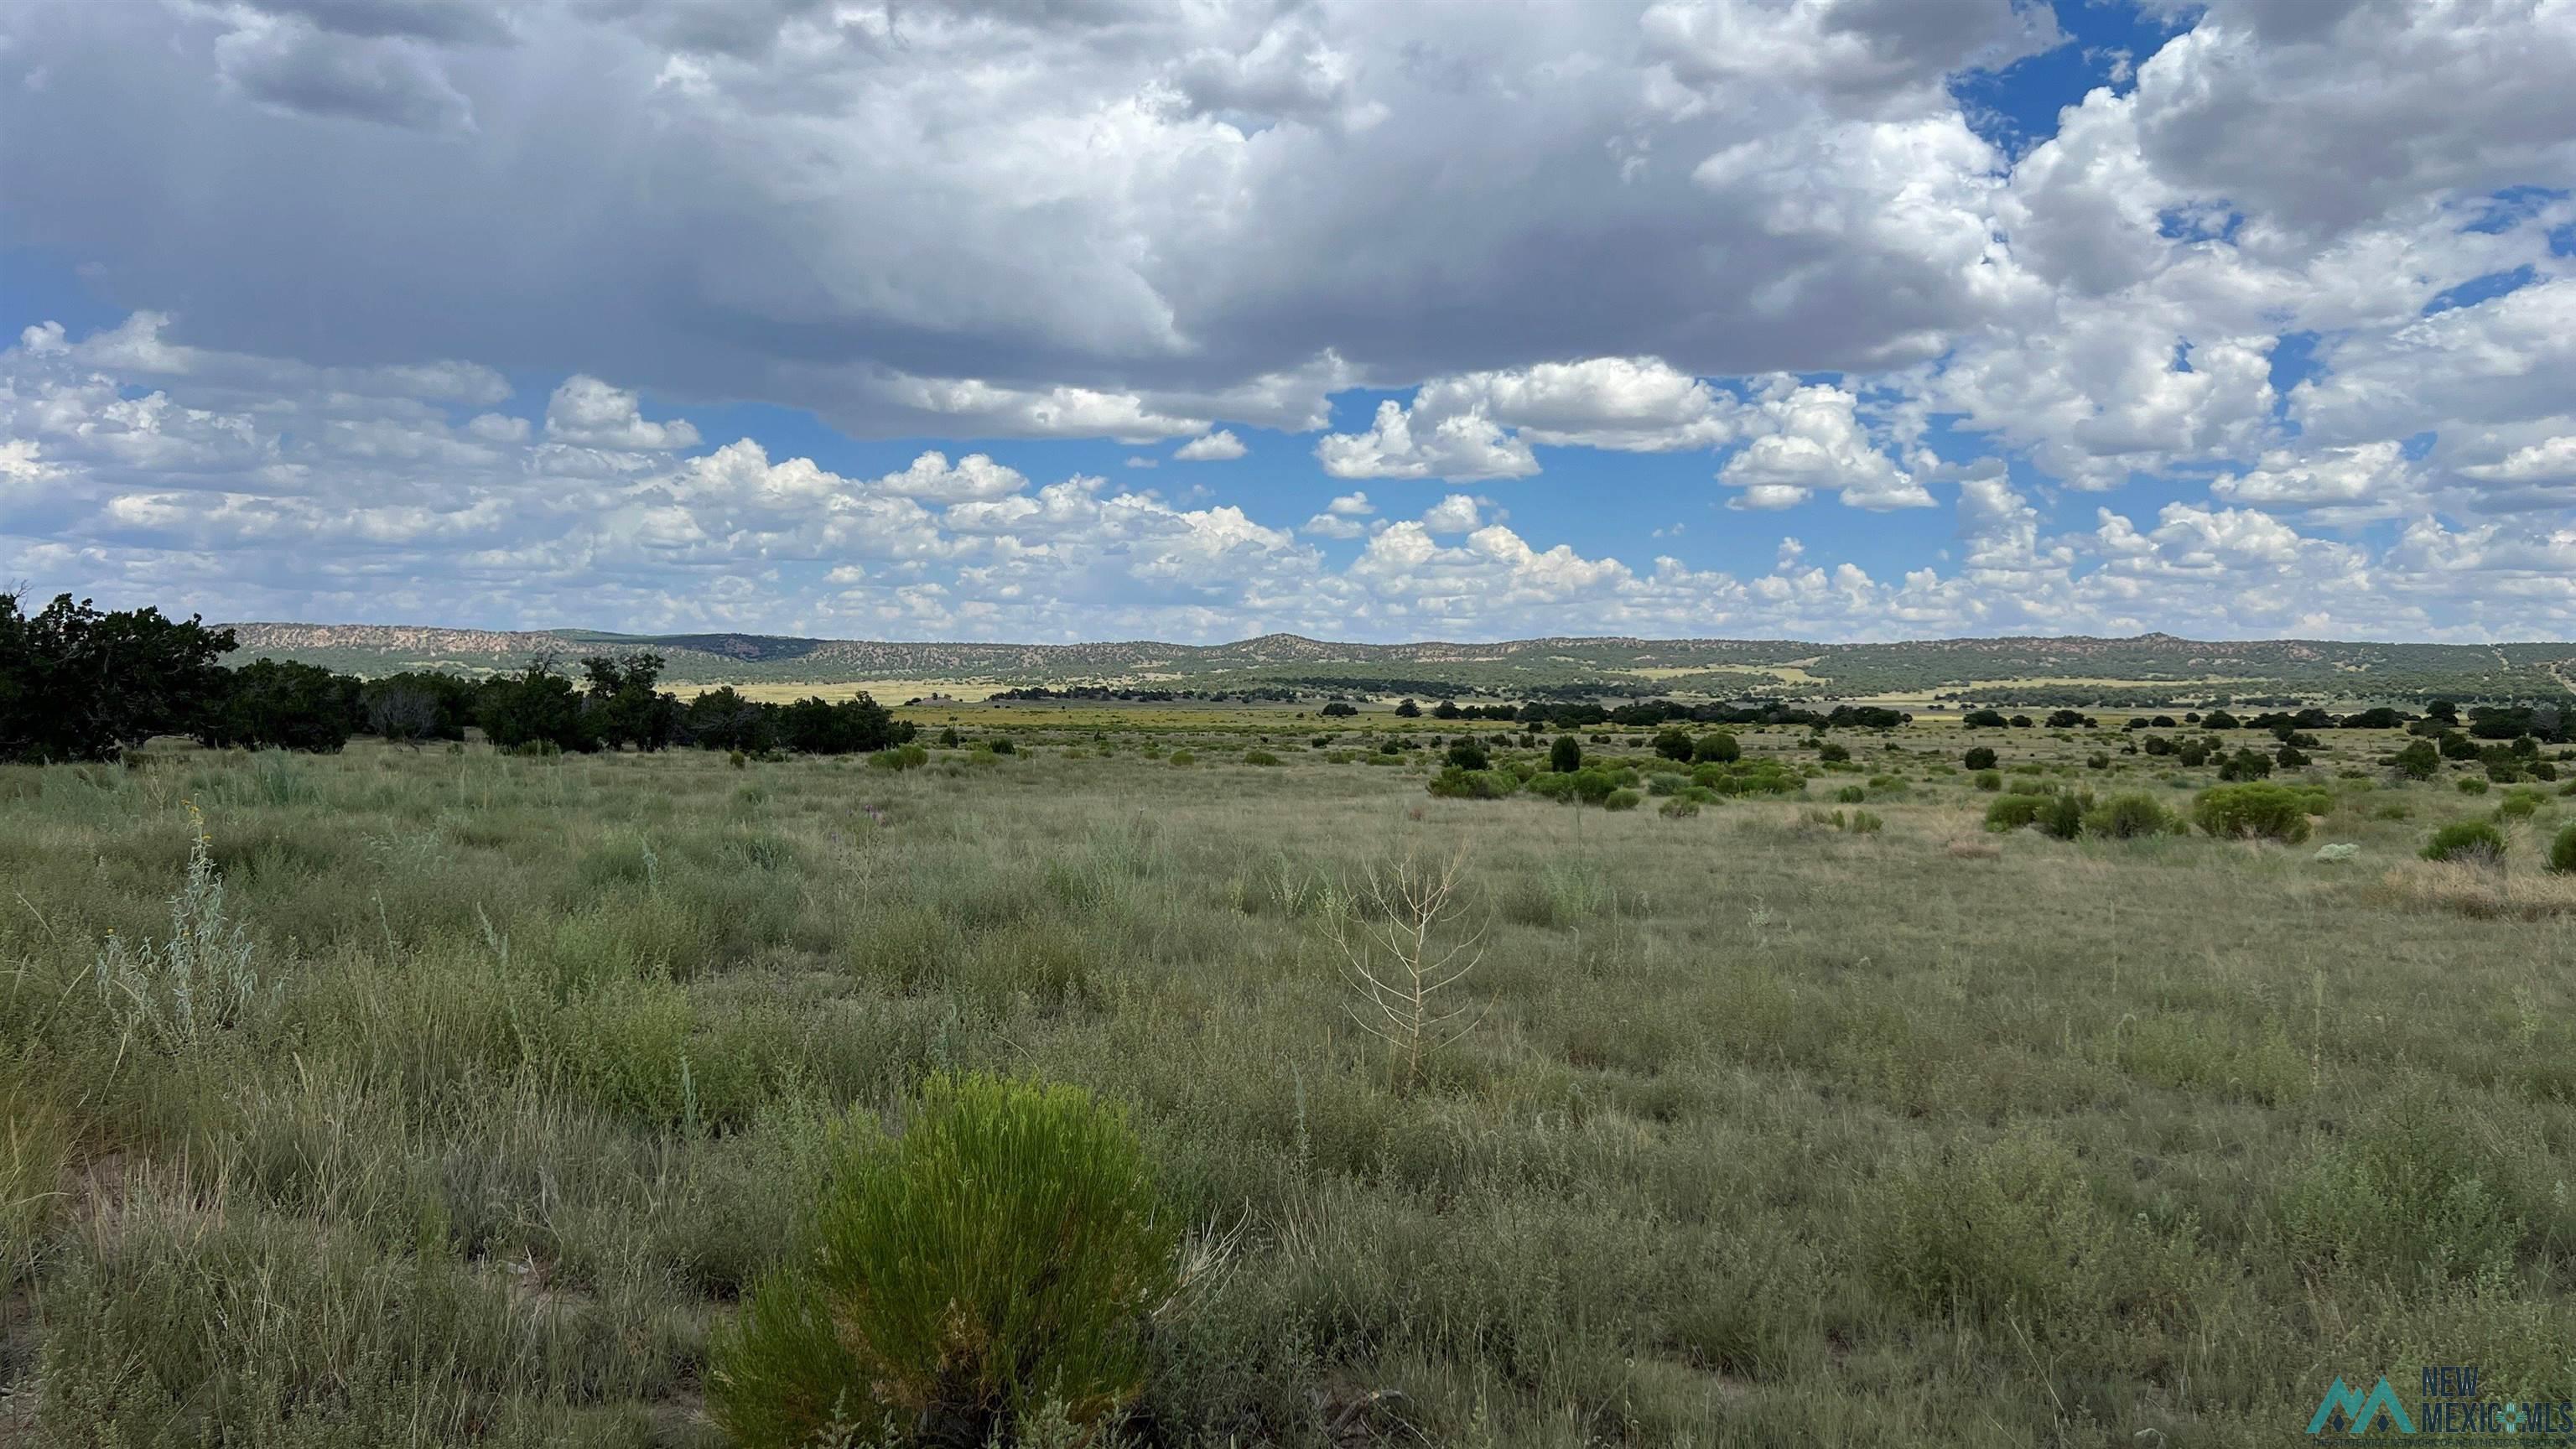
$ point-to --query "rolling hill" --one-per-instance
(2069, 670)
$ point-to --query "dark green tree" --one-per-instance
(80, 684)
(536, 706)
(625, 706)
(1716, 747)
(269, 704)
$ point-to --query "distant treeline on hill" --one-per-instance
(80, 684)
(1646, 713)
(1123, 694)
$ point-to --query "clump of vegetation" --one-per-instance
(2562, 851)
(1716, 747)
(2246, 765)
(2130, 817)
(1259, 757)
(1455, 782)
(1980, 758)
(183, 990)
(1566, 755)
(2467, 840)
(997, 1260)
(2252, 812)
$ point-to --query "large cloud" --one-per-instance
(2301, 271)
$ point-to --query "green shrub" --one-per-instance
(2012, 812)
(1831, 753)
(1865, 823)
(2562, 851)
(1989, 780)
(999, 1257)
(1678, 807)
(2519, 805)
(1717, 747)
(1621, 800)
(2472, 785)
(1454, 783)
(2418, 761)
(1259, 757)
(2062, 816)
(1001, 745)
(2409, 1196)
(2267, 812)
(1184, 757)
(2130, 817)
(901, 757)
(1980, 758)
(2470, 840)
(1469, 755)
(2246, 765)
(1565, 756)
(1850, 795)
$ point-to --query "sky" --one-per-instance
(1055, 320)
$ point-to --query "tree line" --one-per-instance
(79, 683)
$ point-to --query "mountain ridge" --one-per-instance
(1703, 664)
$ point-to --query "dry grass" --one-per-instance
(2490, 890)
(1765, 1134)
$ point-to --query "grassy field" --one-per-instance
(1770, 1127)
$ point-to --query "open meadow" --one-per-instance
(469, 1093)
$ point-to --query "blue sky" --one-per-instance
(1834, 319)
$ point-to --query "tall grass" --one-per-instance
(503, 1081)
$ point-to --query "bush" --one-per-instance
(2130, 817)
(2246, 765)
(1832, 754)
(1621, 800)
(999, 1257)
(2562, 851)
(1456, 783)
(1565, 756)
(2264, 812)
(1468, 755)
(1990, 780)
(2472, 785)
(1717, 747)
(1674, 744)
(2012, 812)
(1850, 795)
(1980, 758)
(2062, 816)
(901, 757)
(2466, 840)
(1678, 807)
(1259, 757)
(2418, 761)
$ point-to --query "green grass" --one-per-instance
(1765, 1131)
